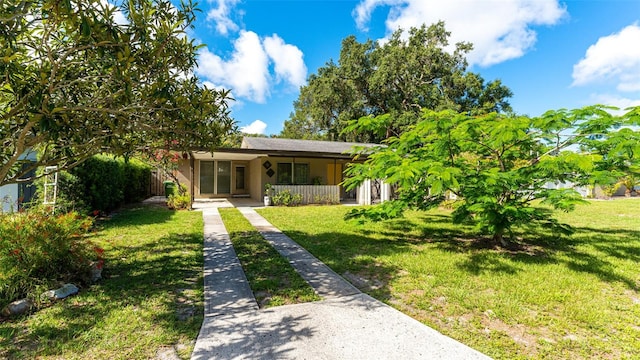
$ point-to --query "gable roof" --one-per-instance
(296, 145)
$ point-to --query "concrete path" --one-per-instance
(346, 325)
(325, 281)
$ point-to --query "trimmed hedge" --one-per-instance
(109, 182)
(101, 183)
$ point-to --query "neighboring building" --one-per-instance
(312, 168)
(14, 196)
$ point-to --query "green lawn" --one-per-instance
(273, 281)
(150, 298)
(552, 297)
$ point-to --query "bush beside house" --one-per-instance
(102, 183)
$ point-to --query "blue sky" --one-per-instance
(552, 54)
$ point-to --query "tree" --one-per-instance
(496, 165)
(617, 141)
(75, 82)
(400, 77)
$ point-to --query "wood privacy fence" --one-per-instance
(156, 185)
(311, 194)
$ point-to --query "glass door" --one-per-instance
(223, 184)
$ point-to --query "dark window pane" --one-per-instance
(206, 177)
(301, 174)
(284, 174)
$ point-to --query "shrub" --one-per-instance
(326, 199)
(179, 200)
(100, 183)
(103, 182)
(38, 250)
(70, 196)
(137, 178)
(285, 198)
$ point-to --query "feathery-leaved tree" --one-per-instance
(497, 165)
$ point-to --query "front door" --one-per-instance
(240, 179)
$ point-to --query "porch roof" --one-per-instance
(253, 147)
(297, 145)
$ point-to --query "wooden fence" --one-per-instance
(311, 194)
(156, 185)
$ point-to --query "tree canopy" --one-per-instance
(497, 165)
(76, 82)
(403, 76)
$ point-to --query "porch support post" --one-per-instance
(192, 170)
(385, 191)
(364, 193)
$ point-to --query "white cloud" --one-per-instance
(221, 15)
(247, 72)
(615, 57)
(499, 29)
(614, 100)
(256, 127)
(362, 12)
(287, 59)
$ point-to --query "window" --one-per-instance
(215, 177)
(284, 174)
(223, 184)
(301, 174)
(206, 177)
(289, 173)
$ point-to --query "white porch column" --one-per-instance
(385, 191)
(364, 193)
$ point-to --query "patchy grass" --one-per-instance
(149, 300)
(571, 297)
(273, 281)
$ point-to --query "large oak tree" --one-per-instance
(75, 82)
(409, 73)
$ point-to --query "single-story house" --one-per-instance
(309, 167)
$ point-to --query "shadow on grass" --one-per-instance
(588, 250)
(143, 290)
(353, 256)
(138, 214)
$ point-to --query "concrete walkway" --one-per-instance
(347, 324)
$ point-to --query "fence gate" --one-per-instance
(156, 185)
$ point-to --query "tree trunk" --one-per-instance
(499, 239)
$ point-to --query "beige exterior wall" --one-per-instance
(184, 173)
(327, 171)
(256, 184)
(318, 168)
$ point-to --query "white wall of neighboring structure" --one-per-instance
(583, 190)
(9, 197)
(9, 193)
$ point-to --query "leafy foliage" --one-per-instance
(401, 77)
(75, 82)
(101, 183)
(286, 198)
(38, 250)
(179, 200)
(496, 165)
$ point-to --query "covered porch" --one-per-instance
(311, 170)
